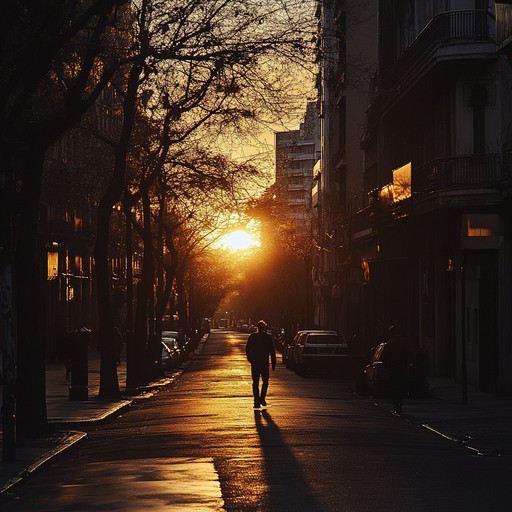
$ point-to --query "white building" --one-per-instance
(296, 155)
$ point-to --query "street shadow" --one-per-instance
(286, 483)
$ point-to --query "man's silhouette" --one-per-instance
(258, 349)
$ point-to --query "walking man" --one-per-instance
(258, 349)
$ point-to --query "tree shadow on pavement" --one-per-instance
(286, 483)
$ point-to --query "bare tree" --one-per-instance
(50, 57)
(203, 63)
(207, 58)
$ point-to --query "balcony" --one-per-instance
(364, 221)
(461, 172)
(445, 29)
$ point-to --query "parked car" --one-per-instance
(319, 350)
(166, 357)
(375, 379)
(316, 354)
(171, 350)
(281, 343)
(183, 341)
(291, 348)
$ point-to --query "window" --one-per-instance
(481, 225)
(78, 264)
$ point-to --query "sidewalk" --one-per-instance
(484, 425)
(66, 418)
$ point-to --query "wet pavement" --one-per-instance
(483, 426)
(67, 417)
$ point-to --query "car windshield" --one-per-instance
(324, 339)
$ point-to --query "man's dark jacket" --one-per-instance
(258, 349)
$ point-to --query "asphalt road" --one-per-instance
(198, 445)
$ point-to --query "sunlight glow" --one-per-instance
(238, 240)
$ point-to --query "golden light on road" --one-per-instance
(239, 240)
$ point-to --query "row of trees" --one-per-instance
(181, 76)
(274, 281)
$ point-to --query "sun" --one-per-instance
(239, 240)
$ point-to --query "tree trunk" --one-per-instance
(7, 308)
(182, 300)
(160, 304)
(29, 274)
(148, 278)
(131, 366)
(109, 385)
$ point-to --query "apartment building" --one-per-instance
(433, 238)
(296, 155)
(347, 60)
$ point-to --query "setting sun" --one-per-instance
(238, 240)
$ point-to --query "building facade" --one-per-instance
(347, 58)
(296, 155)
(429, 249)
(77, 164)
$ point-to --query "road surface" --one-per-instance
(198, 445)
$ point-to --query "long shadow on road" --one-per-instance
(287, 487)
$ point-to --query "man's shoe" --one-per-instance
(256, 405)
(263, 403)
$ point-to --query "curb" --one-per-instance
(71, 439)
(100, 418)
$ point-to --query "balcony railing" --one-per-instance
(457, 172)
(444, 29)
(364, 220)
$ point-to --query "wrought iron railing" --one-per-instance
(457, 172)
(444, 29)
(364, 219)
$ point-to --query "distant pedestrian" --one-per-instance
(395, 363)
(258, 350)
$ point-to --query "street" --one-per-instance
(318, 447)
